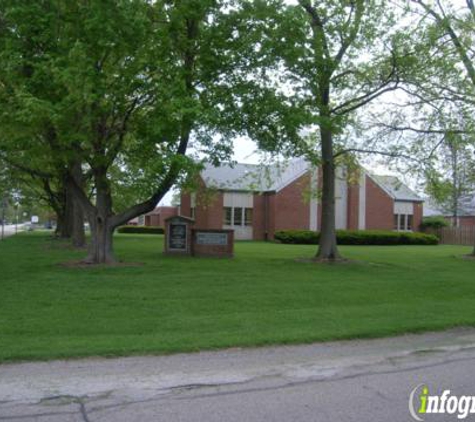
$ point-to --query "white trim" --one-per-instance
(362, 202)
(405, 225)
(341, 199)
(313, 223)
(238, 200)
(401, 207)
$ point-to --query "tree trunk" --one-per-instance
(68, 215)
(68, 209)
(61, 225)
(63, 210)
(100, 247)
(100, 215)
(328, 249)
(70, 222)
(76, 222)
(100, 219)
(78, 235)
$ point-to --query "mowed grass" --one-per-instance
(262, 296)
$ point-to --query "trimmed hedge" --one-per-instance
(357, 237)
(141, 230)
(434, 223)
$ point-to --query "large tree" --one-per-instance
(37, 179)
(331, 58)
(444, 91)
(121, 87)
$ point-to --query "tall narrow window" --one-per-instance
(228, 215)
(192, 212)
(396, 222)
(238, 216)
(402, 222)
(409, 222)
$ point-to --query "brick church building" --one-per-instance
(255, 201)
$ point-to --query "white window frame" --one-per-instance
(243, 217)
(405, 225)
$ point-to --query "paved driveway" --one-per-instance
(365, 381)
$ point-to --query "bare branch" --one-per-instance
(355, 27)
(362, 100)
(424, 131)
(444, 22)
(375, 152)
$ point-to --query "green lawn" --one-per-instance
(263, 296)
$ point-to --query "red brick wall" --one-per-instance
(272, 210)
(379, 207)
(353, 206)
(209, 209)
(219, 251)
(467, 221)
(152, 220)
(263, 217)
(292, 209)
(417, 219)
(159, 215)
(167, 212)
(185, 204)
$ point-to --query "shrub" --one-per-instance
(297, 237)
(357, 237)
(434, 223)
(141, 230)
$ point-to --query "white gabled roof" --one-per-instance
(431, 209)
(466, 207)
(254, 177)
(275, 177)
(395, 188)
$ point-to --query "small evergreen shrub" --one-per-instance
(357, 237)
(141, 230)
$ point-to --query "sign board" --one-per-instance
(205, 238)
(177, 236)
(35, 219)
(213, 243)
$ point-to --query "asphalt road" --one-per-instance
(364, 381)
(10, 229)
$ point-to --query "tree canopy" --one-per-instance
(119, 90)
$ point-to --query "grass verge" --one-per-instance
(263, 296)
